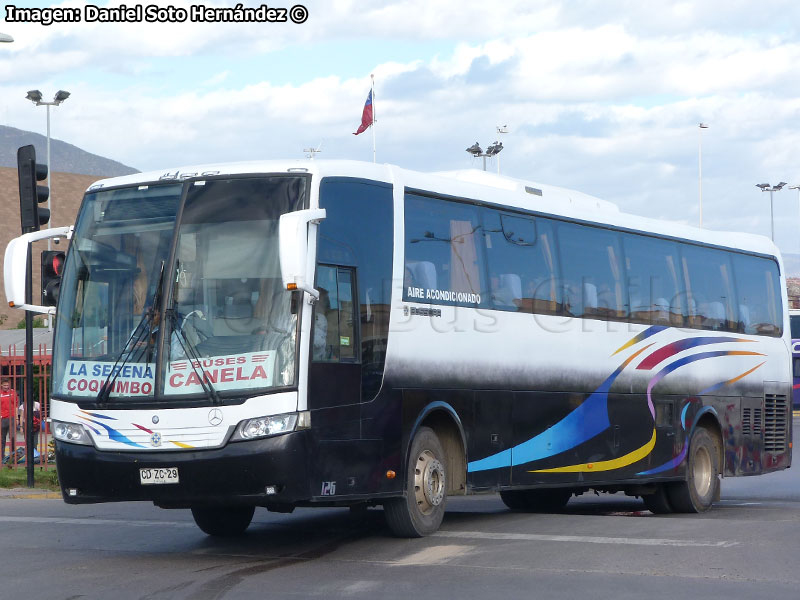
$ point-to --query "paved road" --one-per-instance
(602, 547)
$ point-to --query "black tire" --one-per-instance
(548, 500)
(658, 502)
(701, 487)
(420, 511)
(223, 521)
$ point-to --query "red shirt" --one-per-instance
(8, 402)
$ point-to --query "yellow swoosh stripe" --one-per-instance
(180, 444)
(606, 465)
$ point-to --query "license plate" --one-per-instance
(158, 475)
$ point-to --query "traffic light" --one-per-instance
(31, 194)
(52, 270)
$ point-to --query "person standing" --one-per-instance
(8, 403)
(37, 423)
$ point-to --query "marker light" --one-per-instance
(74, 433)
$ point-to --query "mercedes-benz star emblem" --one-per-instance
(215, 416)
(155, 439)
(155, 419)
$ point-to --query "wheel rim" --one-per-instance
(702, 471)
(429, 482)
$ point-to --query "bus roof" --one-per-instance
(468, 184)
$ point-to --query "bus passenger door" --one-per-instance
(334, 383)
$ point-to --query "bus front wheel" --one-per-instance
(420, 512)
(697, 493)
(223, 521)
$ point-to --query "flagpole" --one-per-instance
(374, 155)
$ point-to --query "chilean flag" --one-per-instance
(366, 116)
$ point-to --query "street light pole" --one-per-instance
(35, 96)
(500, 129)
(796, 187)
(701, 126)
(765, 187)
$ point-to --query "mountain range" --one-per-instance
(65, 157)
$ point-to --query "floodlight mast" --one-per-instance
(493, 150)
(765, 187)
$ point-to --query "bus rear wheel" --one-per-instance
(223, 521)
(421, 511)
(697, 493)
(550, 500)
(658, 502)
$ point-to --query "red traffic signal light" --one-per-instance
(52, 270)
(30, 193)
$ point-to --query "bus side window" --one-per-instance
(655, 284)
(709, 284)
(758, 295)
(521, 261)
(591, 265)
(444, 252)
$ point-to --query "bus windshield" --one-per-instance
(174, 291)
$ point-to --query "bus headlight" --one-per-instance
(74, 433)
(265, 426)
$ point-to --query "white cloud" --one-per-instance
(602, 96)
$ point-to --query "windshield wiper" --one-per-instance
(190, 351)
(142, 332)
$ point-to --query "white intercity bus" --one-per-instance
(336, 333)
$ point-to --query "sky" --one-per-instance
(602, 96)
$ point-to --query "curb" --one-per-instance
(29, 493)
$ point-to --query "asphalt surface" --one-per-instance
(606, 546)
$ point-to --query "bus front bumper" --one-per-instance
(266, 472)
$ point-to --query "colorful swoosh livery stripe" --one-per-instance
(674, 348)
(97, 415)
(688, 360)
(116, 436)
(113, 434)
(606, 465)
(722, 384)
(642, 336)
(180, 444)
(591, 418)
(677, 460)
(582, 424)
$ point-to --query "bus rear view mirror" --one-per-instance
(296, 264)
(15, 263)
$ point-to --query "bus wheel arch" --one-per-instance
(447, 426)
(419, 512)
(435, 467)
(701, 487)
(708, 420)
